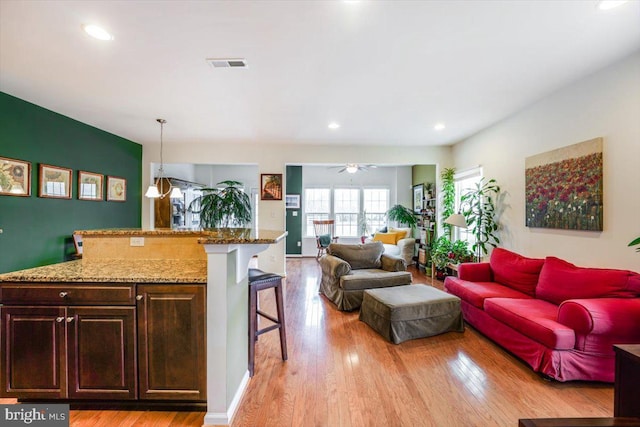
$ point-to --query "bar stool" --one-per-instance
(258, 281)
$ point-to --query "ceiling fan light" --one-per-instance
(176, 193)
(351, 168)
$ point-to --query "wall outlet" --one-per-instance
(294, 213)
(299, 244)
(136, 241)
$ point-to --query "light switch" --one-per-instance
(136, 241)
(294, 213)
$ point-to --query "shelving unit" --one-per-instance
(426, 229)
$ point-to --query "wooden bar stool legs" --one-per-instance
(258, 281)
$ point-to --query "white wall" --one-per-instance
(272, 158)
(605, 104)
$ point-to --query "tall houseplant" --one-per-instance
(402, 215)
(478, 208)
(223, 208)
(448, 198)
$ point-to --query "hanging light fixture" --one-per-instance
(153, 192)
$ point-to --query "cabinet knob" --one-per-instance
(63, 294)
(59, 319)
(139, 297)
(69, 319)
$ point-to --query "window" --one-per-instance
(464, 181)
(375, 206)
(347, 208)
(317, 205)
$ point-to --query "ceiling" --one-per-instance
(387, 71)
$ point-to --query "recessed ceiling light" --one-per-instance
(439, 126)
(334, 125)
(610, 4)
(97, 32)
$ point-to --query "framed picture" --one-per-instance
(292, 201)
(54, 182)
(271, 186)
(116, 189)
(15, 177)
(418, 195)
(89, 186)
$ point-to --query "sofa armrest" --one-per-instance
(618, 317)
(333, 266)
(406, 241)
(393, 263)
(475, 272)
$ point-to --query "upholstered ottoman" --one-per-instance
(408, 312)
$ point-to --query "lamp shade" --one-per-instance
(152, 192)
(176, 193)
(456, 220)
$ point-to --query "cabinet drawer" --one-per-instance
(67, 294)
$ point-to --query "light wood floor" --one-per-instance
(341, 373)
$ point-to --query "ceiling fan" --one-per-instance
(354, 167)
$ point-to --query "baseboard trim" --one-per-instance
(225, 418)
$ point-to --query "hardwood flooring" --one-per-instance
(341, 373)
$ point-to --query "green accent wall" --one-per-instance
(37, 231)
(294, 223)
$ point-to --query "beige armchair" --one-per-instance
(347, 270)
(403, 247)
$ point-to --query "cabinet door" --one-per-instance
(101, 352)
(171, 342)
(34, 352)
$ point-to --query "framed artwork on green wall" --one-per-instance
(55, 182)
(15, 177)
(116, 189)
(89, 186)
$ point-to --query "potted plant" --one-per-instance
(479, 210)
(448, 197)
(223, 208)
(402, 215)
(364, 227)
(461, 252)
(441, 251)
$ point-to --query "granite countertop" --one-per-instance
(212, 236)
(116, 271)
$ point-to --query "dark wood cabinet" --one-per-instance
(171, 342)
(626, 388)
(56, 351)
(103, 341)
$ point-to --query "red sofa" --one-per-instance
(560, 319)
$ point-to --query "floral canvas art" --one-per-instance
(563, 187)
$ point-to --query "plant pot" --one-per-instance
(441, 274)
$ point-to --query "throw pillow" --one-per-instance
(561, 280)
(359, 256)
(403, 233)
(515, 271)
(324, 240)
(388, 238)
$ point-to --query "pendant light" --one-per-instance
(153, 192)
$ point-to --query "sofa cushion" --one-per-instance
(369, 278)
(533, 318)
(475, 293)
(561, 280)
(515, 271)
(359, 256)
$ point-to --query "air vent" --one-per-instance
(227, 62)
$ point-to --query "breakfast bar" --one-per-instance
(146, 318)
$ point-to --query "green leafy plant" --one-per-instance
(448, 197)
(402, 215)
(440, 250)
(636, 242)
(479, 210)
(461, 252)
(222, 208)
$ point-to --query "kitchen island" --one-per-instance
(151, 316)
